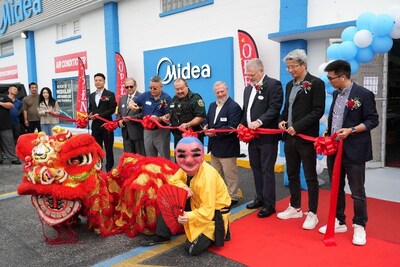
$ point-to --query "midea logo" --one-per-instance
(17, 11)
(182, 71)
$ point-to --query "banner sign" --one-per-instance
(121, 75)
(248, 51)
(81, 96)
(7, 73)
(69, 62)
(201, 64)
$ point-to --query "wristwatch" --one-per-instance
(353, 130)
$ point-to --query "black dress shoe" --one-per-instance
(266, 212)
(16, 162)
(154, 240)
(255, 204)
(233, 203)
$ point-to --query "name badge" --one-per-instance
(148, 103)
(223, 119)
(260, 97)
(172, 106)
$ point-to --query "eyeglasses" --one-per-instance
(153, 88)
(129, 87)
(289, 68)
(332, 78)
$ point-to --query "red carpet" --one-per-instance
(275, 242)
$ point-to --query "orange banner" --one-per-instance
(121, 75)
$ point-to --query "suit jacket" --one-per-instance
(266, 107)
(132, 130)
(308, 108)
(105, 109)
(224, 145)
(358, 147)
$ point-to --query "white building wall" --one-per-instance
(142, 29)
(335, 11)
(92, 41)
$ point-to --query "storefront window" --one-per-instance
(7, 48)
(65, 93)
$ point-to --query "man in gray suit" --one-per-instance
(132, 132)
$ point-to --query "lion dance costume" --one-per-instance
(62, 173)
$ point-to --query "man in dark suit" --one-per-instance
(102, 103)
(132, 132)
(262, 102)
(304, 107)
(224, 113)
(352, 116)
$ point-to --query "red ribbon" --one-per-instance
(246, 134)
(329, 238)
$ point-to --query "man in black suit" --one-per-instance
(304, 107)
(262, 104)
(224, 113)
(132, 132)
(102, 103)
(352, 116)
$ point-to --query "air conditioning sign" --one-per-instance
(13, 12)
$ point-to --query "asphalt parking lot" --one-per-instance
(22, 242)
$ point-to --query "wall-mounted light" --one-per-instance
(24, 34)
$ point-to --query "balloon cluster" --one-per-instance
(373, 34)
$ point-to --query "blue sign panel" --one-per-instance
(201, 64)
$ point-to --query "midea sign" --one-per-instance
(188, 71)
(16, 11)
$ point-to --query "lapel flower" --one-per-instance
(306, 86)
(353, 103)
(259, 87)
(105, 98)
(163, 103)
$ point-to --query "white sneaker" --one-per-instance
(311, 221)
(339, 228)
(359, 236)
(290, 213)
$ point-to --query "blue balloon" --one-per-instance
(322, 128)
(382, 25)
(381, 44)
(364, 21)
(348, 33)
(333, 51)
(354, 65)
(365, 55)
(348, 50)
(328, 103)
(328, 87)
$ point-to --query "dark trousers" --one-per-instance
(299, 151)
(200, 244)
(262, 158)
(356, 179)
(32, 125)
(103, 136)
(134, 146)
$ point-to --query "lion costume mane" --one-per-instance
(63, 175)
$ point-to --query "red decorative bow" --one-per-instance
(245, 134)
(326, 145)
(148, 123)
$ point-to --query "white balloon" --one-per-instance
(319, 167)
(321, 68)
(394, 11)
(395, 33)
(363, 38)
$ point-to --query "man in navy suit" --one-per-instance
(304, 106)
(132, 131)
(102, 103)
(352, 116)
(224, 113)
(262, 102)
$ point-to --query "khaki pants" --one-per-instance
(228, 169)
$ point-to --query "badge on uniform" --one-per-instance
(224, 119)
(200, 103)
(260, 97)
